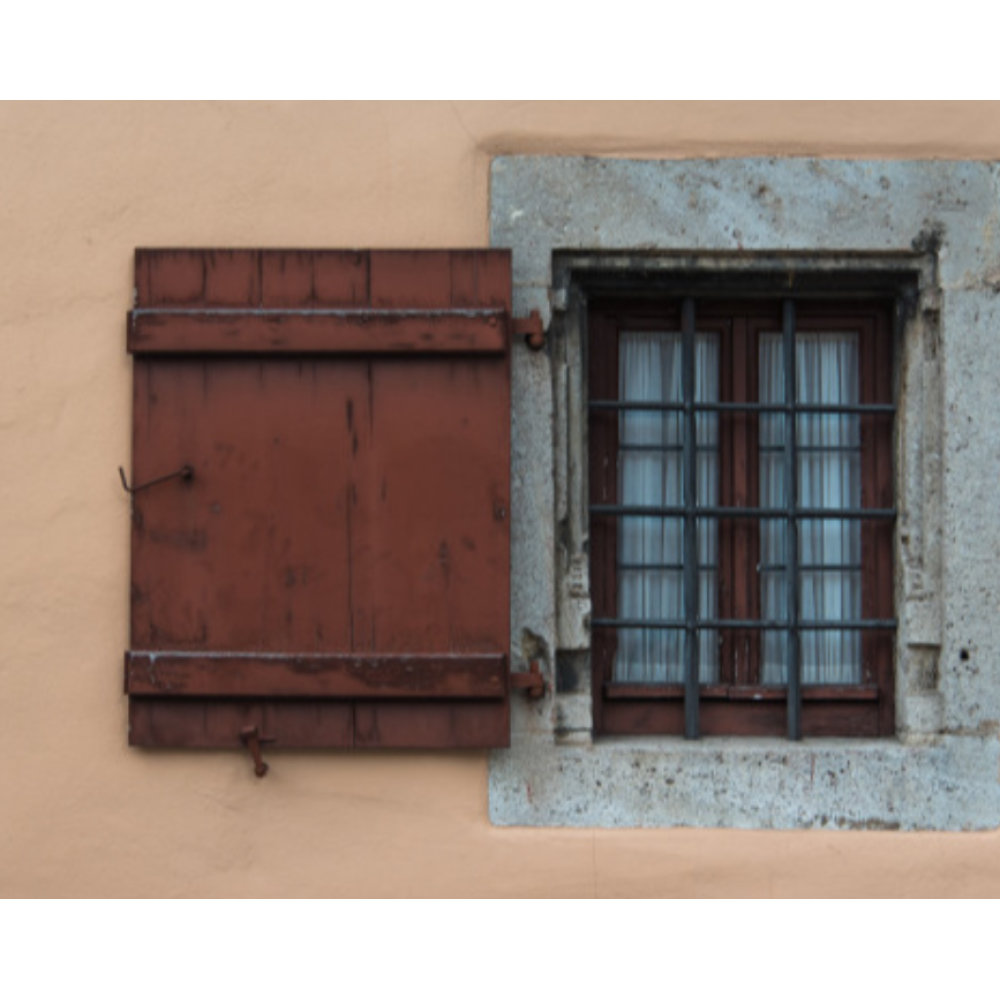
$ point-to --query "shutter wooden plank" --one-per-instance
(316, 675)
(233, 278)
(169, 277)
(207, 278)
(410, 279)
(340, 278)
(480, 280)
(288, 279)
(231, 331)
(430, 535)
(393, 725)
(215, 724)
(253, 552)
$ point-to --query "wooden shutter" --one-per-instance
(336, 569)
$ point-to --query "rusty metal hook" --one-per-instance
(184, 472)
(250, 737)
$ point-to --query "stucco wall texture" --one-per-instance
(82, 814)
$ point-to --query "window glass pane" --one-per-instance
(773, 603)
(828, 471)
(706, 390)
(651, 473)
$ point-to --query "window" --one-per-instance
(717, 495)
(321, 474)
(641, 236)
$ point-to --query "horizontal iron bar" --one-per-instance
(813, 567)
(668, 449)
(821, 449)
(775, 449)
(677, 624)
(655, 407)
(702, 568)
(764, 567)
(802, 514)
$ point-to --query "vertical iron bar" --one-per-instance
(791, 525)
(691, 720)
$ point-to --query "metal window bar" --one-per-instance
(865, 408)
(791, 513)
(812, 567)
(675, 566)
(711, 624)
(666, 449)
(757, 513)
(817, 449)
(691, 708)
(794, 701)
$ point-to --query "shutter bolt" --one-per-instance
(184, 472)
(250, 737)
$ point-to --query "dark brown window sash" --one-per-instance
(739, 704)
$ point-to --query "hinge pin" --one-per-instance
(530, 327)
(530, 681)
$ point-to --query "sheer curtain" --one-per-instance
(829, 476)
(651, 472)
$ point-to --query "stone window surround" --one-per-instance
(930, 231)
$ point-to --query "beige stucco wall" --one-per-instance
(80, 813)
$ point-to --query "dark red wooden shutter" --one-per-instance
(336, 570)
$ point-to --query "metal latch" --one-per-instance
(250, 737)
(184, 472)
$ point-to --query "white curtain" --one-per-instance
(651, 472)
(828, 476)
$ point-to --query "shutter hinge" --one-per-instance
(530, 681)
(530, 327)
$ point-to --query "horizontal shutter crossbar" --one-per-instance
(315, 675)
(317, 331)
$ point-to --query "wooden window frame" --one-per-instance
(739, 704)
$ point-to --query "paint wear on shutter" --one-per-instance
(336, 570)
